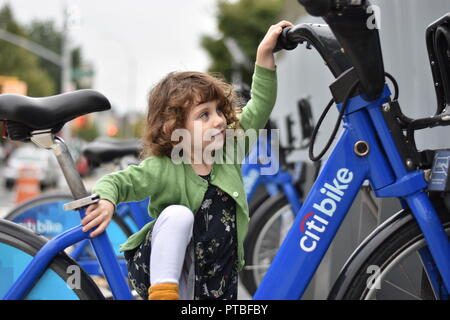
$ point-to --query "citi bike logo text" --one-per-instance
(45, 227)
(315, 222)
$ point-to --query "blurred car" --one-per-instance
(29, 156)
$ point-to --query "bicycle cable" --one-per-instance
(338, 122)
(394, 83)
(336, 127)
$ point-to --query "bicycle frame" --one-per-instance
(135, 214)
(332, 194)
(252, 169)
(91, 266)
(102, 247)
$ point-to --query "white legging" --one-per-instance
(171, 235)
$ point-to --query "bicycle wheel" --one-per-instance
(389, 265)
(259, 197)
(19, 245)
(267, 229)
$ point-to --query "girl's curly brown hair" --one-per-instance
(170, 101)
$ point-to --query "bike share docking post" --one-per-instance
(102, 246)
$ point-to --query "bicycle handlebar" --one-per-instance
(349, 23)
(321, 38)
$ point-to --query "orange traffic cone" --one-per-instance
(27, 185)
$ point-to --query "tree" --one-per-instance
(18, 62)
(246, 21)
(42, 76)
(47, 34)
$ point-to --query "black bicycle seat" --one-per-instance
(25, 114)
(107, 149)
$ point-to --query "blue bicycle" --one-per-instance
(408, 256)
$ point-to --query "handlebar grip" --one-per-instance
(283, 42)
(316, 7)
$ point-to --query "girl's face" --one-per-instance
(206, 125)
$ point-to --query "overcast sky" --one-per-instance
(132, 44)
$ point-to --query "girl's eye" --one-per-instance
(219, 111)
(204, 114)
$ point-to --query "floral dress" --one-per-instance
(215, 250)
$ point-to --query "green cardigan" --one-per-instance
(167, 183)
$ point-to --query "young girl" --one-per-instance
(194, 247)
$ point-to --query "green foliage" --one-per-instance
(220, 57)
(42, 76)
(18, 62)
(246, 21)
(45, 33)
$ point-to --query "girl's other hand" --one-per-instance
(264, 55)
(98, 214)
